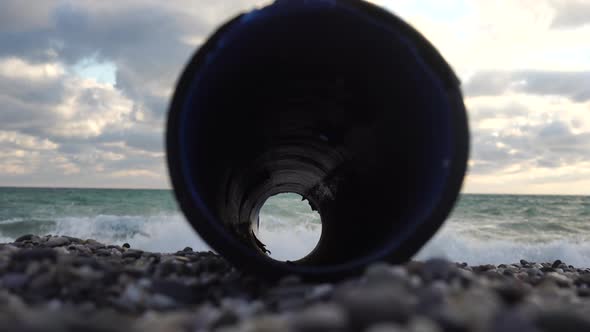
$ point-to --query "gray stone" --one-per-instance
(267, 324)
(87, 273)
(93, 244)
(14, 280)
(513, 321)
(28, 237)
(371, 304)
(175, 290)
(320, 317)
(430, 300)
(319, 292)
(57, 242)
(383, 272)
(562, 321)
(161, 302)
(290, 280)
(438, 269)
(35, 254)
(133, 295)
(73, 239)
(135, 254)
(386, 327)
(511, 292)
(423, 324)
(559, 279)
(534, 272)
(204, 317)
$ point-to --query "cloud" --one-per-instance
(525, 69)
(545, 146)
(17, 69)
(18, 15)
(525, 143)
(98, 131)
(571, 13)
(509, 110)
(574, 85)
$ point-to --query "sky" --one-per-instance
(85, 86)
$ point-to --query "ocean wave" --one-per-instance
(289, 240)
(456, 247)
(160, 233)
(11, 221)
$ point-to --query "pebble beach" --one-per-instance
(59, 283)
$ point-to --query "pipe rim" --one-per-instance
(215, 235)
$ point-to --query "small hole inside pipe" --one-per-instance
(288, 227)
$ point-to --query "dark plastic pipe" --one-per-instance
(338, 101)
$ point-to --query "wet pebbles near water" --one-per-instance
(68, 284)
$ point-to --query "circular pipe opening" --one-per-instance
(288, 228)
(337, 101)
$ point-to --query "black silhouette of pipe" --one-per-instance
(338, 101)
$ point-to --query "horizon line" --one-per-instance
(171, 189)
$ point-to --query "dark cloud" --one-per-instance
(550, 145)
(145, 42)
(571, 14)
(574, 85)
(15, 114)
(92, 141)
(45, 92)
(18, 15)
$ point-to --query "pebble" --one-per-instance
(57, 242)
(132, 254)
(511, 292)
(267, 324)
(562, 321)
(534, 272)
(423, 324)
(320, 292)
(320, 317)
(35, 254)
(161, 302)
(174, 290)
(14, 280)
(373, 304)
(132, 295)
(60, 283)
(385, 327)
(28, 237)
(513, 321)
(438, 269)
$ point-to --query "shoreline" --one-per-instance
(63, 283)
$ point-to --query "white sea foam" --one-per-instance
(163, 233)
(291, 240)
(460, 248)
(170, 233)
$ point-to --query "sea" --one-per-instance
(482, 229)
